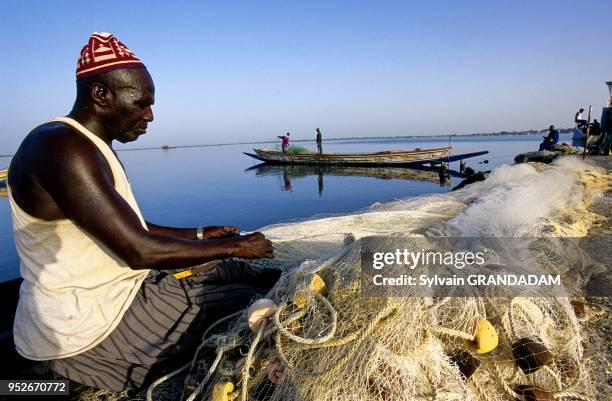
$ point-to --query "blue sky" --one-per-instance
(242, 71)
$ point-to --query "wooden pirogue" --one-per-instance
(384, 158)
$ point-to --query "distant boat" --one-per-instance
(167, 147)
(384, 158)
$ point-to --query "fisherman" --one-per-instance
(285, 142)
(551, 139)
(319, 142)
(578, 120)
(595, 128)
(606, 139)
(99, 299)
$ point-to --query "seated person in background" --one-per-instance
(551, 139)
(595, 128)
(98, 298)
(580, 122)
(606, 139)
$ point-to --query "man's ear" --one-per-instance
(100, 94)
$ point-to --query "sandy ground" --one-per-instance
(597, 323)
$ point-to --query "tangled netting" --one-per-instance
(323, 338)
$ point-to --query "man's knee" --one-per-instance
(241, 271)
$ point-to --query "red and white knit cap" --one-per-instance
(104, 52)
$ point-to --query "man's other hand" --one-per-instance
(213, 232)
(253, 246)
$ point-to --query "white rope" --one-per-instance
(505, 385)
(451, 332)
(303, 340)
(211, 370)
(249, 361)
(555, 377)
(575, 396)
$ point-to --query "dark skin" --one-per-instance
(58, 174)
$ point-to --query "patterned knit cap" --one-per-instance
(104, 52)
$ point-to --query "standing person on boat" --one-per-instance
(551, 139)
(285, 141)
(99, 299)
(579, 120)
(319, 142)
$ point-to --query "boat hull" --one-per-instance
(391, 158)
(387, 158)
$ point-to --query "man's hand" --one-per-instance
(214, 232)
(253, 246)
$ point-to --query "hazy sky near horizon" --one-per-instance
(251, 70)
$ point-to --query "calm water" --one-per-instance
(213, 186)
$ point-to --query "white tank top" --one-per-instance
(75, 290)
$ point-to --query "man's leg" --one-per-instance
(164, 325)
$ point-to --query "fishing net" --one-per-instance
(321, 337)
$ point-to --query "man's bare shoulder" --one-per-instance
(55, 147)
(52, 159)
(55, 137)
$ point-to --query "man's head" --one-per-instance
(120, 100)
(552, 127)
(581, 110)
(114, 88)
(288, 134)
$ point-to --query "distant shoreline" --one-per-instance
(501, 133)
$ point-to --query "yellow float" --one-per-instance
(221, 391)
(316, 285)
(485, 338)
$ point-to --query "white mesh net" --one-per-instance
(331, 341)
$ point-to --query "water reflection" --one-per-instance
(289, 172)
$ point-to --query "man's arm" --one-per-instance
(76, 176)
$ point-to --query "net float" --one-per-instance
(579, 307)
(221, 391)
(276, 372)
(485, 338)
(466, 362)
(316, 285)
(531, 354)
(259, 311)
(530, 393)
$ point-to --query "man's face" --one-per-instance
(129, 112)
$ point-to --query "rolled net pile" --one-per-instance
(325, 339)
